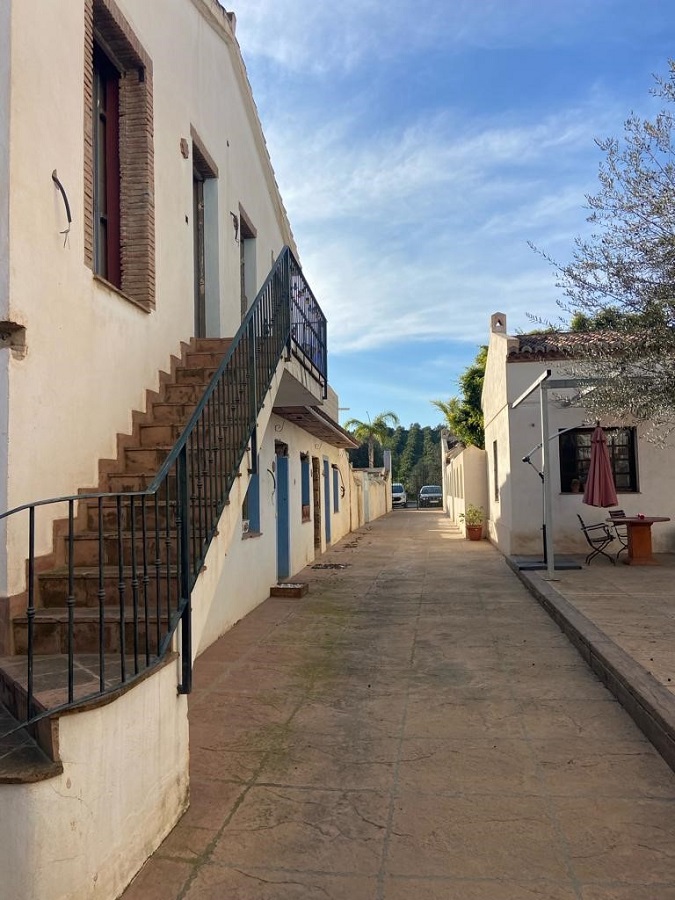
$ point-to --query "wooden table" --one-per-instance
(639, 538)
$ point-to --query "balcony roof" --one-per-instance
(316, 422)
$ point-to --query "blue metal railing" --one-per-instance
(150, 544)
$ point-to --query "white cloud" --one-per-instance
(422, 230)
(415, 223)
(310, 36)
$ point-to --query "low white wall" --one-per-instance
(124, 786)
(465, 482)
(370, 495)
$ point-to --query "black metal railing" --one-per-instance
(127, 561)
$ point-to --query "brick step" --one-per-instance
(86, 549)
(119, 482)
(22, 760)
(53, 588)
(183, 393)
(171, 413)
(197, 358)
(145, 459)
(195, 375)
(209, 441)
(189, 391)
(50, 631)
(50, 684)
(210, 345)
(162, 434)
(153, 516)
(110, 515)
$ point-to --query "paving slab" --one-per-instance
(419, 725)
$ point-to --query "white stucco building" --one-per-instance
(140, 226)
(643, 472)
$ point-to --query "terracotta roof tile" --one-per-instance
(563, 344)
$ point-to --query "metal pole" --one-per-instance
(548, 482)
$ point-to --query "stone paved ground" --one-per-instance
(415, 727)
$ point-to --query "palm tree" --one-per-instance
(464, 415)
(369, 432)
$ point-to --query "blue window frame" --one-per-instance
(305, 487)
(336, 489)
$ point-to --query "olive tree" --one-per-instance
(620, 282)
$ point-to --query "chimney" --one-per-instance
(498, 323)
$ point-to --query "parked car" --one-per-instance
(430, 495)
(398, 495)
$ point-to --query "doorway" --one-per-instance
(205, 241)
(199, 253)
(326, 497)
(283, 512)
(247, 261)
(316, 497)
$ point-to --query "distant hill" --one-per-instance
(416, 455)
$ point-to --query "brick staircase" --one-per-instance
(132, 532)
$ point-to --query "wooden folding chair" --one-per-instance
(598, 536)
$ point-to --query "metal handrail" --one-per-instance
(175, 517)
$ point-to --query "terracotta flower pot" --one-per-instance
(474, 532)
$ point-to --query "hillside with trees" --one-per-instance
(415, 452)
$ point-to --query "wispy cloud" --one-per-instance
(306, 36)
(419, 150)
(401, 231)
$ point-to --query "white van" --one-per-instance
(398, 495)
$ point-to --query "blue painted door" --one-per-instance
(283, 520)
(326, 497)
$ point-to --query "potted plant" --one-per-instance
(473, 517)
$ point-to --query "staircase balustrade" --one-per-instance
(151, 540)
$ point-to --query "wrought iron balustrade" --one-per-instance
(127, 561)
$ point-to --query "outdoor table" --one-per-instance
(639, 538)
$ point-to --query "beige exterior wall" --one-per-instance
(91, 354)
(370, 495)
(5, 104)
(516, 517)
(464, 482)
(5, 57)
(123, 788)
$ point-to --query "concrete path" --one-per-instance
(415, 728)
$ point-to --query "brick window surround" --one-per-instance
(106, 27)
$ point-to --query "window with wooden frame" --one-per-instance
(119, 239)
(105, 115)
(575, 458)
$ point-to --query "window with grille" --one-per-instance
(575, 458)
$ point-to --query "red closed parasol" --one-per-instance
(599, 489)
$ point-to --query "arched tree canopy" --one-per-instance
(464, 415)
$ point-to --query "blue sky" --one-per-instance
(420, 146)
